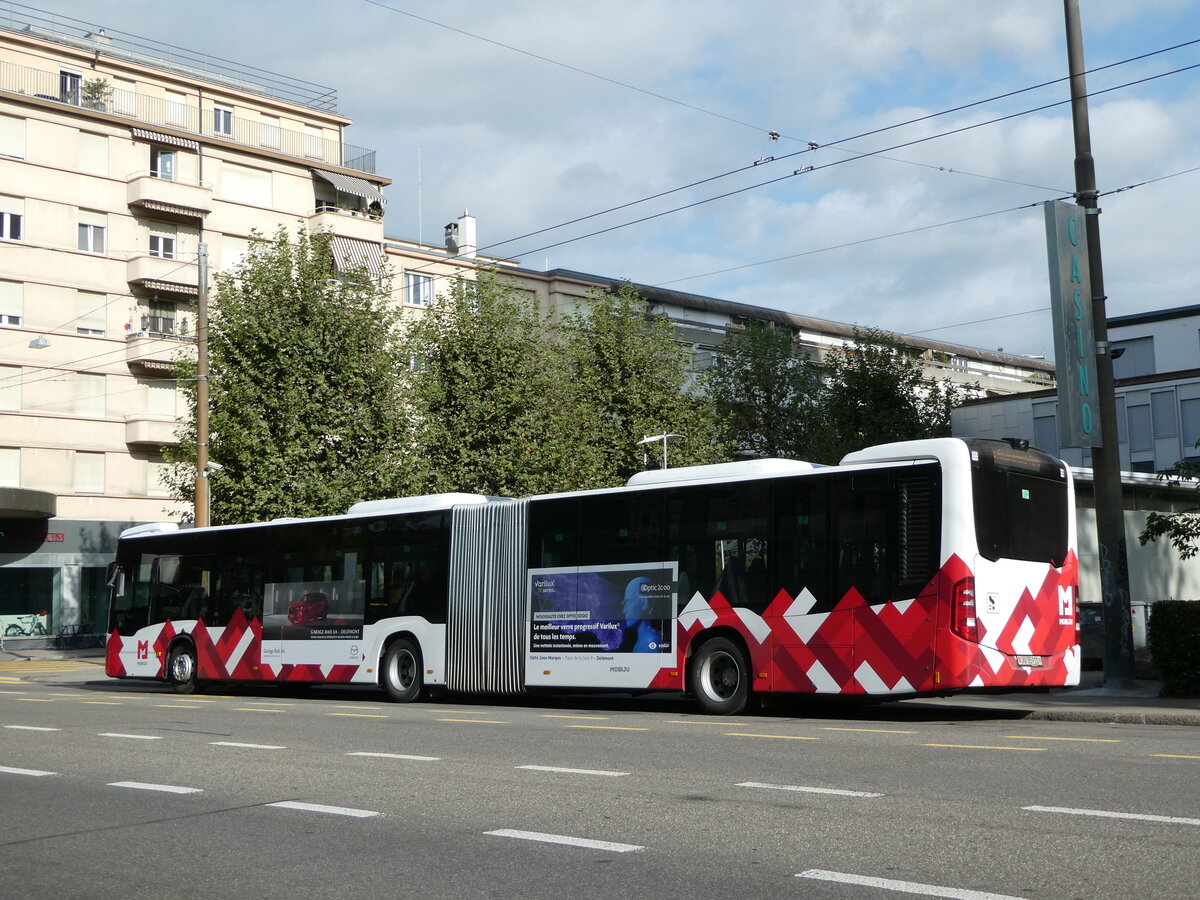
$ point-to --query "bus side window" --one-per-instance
(802, 538)
(554, 533)
(864, 529)
(180, 588)
(239, 586)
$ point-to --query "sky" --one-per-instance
(531, 113)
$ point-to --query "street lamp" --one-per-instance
(645, 443)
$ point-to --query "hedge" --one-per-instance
(1174, 637)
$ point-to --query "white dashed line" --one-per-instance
(565, 839)
(901, 887)
(563, 771)
(164, 788)
(36, 773)
(808, 790)
(1106, 814)
(246, 746)
(329, 810)
(395, 756)
(31, 728)
(132, 737)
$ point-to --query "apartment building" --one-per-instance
(119, 158)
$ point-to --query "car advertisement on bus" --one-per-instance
(313, 610)
(620, 618)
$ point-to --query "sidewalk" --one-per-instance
(1092, 701)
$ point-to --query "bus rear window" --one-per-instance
(1020, 516)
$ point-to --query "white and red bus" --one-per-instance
(917, 568)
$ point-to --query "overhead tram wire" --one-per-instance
(815, 146)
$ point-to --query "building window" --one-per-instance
(10, 388)
(1162, 404)
(162, 241)
(89, 473)
(92, 228)
(270, 132)
(1045, 427)
(162, 163)
(1189, 414)
(91, 313)
(12, 302)
(222, 121)
(418, 289)
(68, 88)
(12, 137)
(1137, 358)
(161, 318)
(10, 467)
(12, 212)
(175, 109)
(1139, 428)
(158, 479)
(89, 395)
(314, 143)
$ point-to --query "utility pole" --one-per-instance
(203, 517)
(1106, 458)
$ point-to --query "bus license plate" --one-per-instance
(1029, 662)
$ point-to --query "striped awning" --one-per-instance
(350, 254)
(168, 287)
(159, 137)
(171, 208)
(348, 184)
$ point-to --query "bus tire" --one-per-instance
(181, 669)
(401, 671)
(720, 677)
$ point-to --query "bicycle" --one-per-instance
(27, 626)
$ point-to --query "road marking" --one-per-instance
(722, 722)
(35, 699)
(132, 737)
(586, 843)
(808, 790)
(870, 730)
(565, 771)
(172, 706)
(246, 746)
(778, 737)
(476, 721)
(1159, 755)
(1030, 737)
(36, 773)
(31, 728)
(1106, 814)
(256, 709)
(355, 706)
(561, 716)
(271, 702)
(101, 702)
(360, 715)
(983, 747)
(330, 810)
(901, 887)
(163, 788)
(608, 727)
(395, 756)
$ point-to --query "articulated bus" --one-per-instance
(916, 568)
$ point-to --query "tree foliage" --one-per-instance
(1181, 528)
(303, 410)
(767, 393)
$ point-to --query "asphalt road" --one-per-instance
(124, 790)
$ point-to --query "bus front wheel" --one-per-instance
(721, 677)
(402, 671)
(181, 669)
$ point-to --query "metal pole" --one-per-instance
(203, 518)
(1106, 459)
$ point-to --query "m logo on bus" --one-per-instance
(1065, 610)
(143, 649)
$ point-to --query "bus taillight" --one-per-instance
(962, 615)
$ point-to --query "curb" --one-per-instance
(1115, 717)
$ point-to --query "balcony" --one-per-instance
(166, 198)
(144, 430)
(346, 223)
(153, 353)
(175, 278)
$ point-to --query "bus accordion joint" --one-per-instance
(963, 621)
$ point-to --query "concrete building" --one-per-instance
(119, 157)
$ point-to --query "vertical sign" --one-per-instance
(1071, 309)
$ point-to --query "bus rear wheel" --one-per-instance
(402, 671)
(721, 677)
(181, 669)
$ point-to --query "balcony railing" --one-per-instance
(104, 98)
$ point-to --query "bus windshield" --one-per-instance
(1021, 505)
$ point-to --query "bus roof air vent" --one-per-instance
(749, 468)
(150, 528)
(414, 504)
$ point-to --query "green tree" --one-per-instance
(304, 415)
(630, 380)
(767, 393)
(1181, 528)
(488, 394)
(875, 393)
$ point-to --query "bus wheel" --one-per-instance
(721, 677)
(402, 671)
(181, 669)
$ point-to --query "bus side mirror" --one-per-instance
(116, 579)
